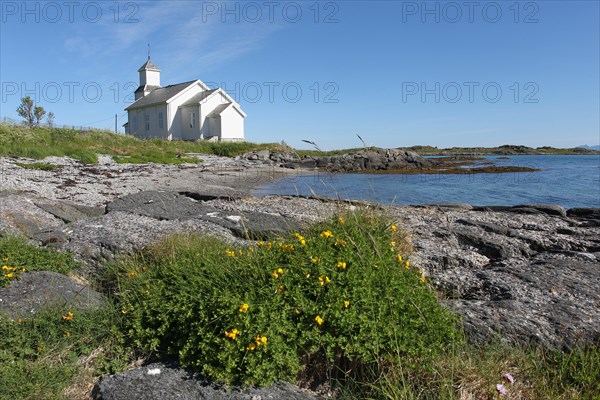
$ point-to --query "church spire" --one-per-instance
(149, 78)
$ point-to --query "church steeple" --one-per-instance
(149, 78)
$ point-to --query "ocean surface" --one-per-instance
(567, 180)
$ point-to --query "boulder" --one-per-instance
(160, 381)
(39, 290)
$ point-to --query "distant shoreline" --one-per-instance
(506, 150)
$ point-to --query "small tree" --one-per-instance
(30, 112)
(50, 119)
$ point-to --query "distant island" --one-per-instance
(503, 150)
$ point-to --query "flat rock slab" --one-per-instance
(159, 381)
(39, 290)
(175, 206)
(20, 216)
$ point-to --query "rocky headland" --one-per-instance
(526, 274)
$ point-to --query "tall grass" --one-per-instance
(85, 145)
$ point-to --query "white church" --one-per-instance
(185, 111)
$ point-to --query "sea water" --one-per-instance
(566, 180)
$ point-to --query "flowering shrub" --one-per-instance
(339, 292)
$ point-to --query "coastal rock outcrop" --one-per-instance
(527, 274)
(357, 161)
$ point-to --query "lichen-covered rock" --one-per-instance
(160, 381)
(39, 290)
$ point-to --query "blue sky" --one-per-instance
(397, 73)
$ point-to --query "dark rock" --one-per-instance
(550, 209)
(39, 290)
(161, 381)
(307, 163)
(584, 212)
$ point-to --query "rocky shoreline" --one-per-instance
(526, 274)
(392, 161)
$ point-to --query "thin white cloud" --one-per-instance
(186, 37)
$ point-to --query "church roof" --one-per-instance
(149, 65)
(199, 97)
(218, 110)
(160, 95)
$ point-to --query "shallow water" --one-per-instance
(567, 180)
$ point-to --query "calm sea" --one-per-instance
(570, 181)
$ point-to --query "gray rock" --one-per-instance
(161, 381)
(39, 290)
(69, 212)
(20, 216)
(526, 277)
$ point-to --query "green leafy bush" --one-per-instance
(338, 296)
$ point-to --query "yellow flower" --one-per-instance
(326, 234)
(261, 340)
(315, 260)
(5, 259)
(68, 334)
(233, 334)
(341, 220)
(394, 228)
(251, 347)
(261, 243)
(323, 281)
(280, 288)
(230, 253)
(300, 238)
(341, 265)
(240, 252)
(244, 307)
(20, 321)
(346, 303)
(319, 320)
(277, 272)
(407, 265)
(422, 277)
(342, 242)
(68, 317)
(399, 258)
(11, 275)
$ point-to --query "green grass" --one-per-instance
(39, 166)
(85, 145)
(56, 356)
(17, 255)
